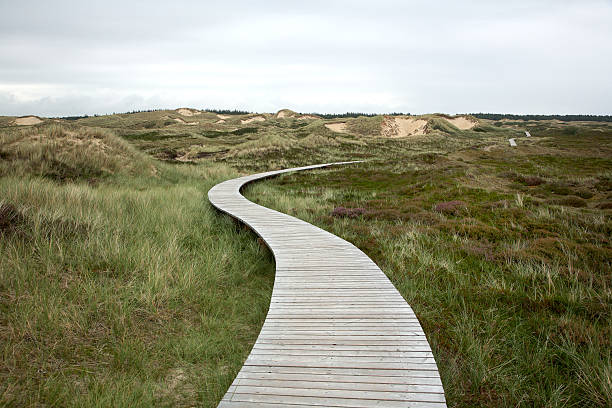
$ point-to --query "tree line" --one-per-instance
(228, 111)
(352, 114)
(564, 118)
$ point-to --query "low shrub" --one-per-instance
(451, 207)
(570, 201)
(343, 212)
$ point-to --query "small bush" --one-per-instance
(604, 184)
(451, 207)
(525, 180)
(586, 194)
(570, 201)
(559, 188)
(10, 218)
(532, 181)
(343, 212)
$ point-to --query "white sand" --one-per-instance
(188, 112)
(220, 121)
(462, 123)
(403, 127)
(223, 116)
(28, 120)
(183, 122)
(307, 117)
(253, 119)
(410, 126)
(337, 127)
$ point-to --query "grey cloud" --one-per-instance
(59, 58)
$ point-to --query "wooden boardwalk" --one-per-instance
(338, 333)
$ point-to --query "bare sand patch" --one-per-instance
(219, 122)
(489, 148)
(402, 127)
(188, 112)
(337, 127)
(285, 113)
(253, 119)
(184, 122)
(462, 122)
(28, 120)
(308, 117)
(223, 116)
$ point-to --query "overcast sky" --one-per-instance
(523, 56)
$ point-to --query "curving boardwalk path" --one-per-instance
(338, 333)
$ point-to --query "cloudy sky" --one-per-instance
(523, 56)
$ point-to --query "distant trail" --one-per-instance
(338, 333)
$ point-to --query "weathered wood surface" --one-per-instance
(338, 333)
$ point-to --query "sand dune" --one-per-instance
(285, 113)
(28, 120)
(187, 112)
(462, 122)
(402, 127)
(253, 119)
(337, 127)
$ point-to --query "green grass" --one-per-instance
(129, 292)
(513, 287)
(121, 286)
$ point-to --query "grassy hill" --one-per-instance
(120, 285)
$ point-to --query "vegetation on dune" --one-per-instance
(504, 255)
(131, 291)
(120, 285)
(351, 115)
(65, 155)
(564, 118)
(228, 111)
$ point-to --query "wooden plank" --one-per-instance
(332, 402)
(406, 374)
(421, 346)
(337, 333)
(341, 393)
(342, 353)
(355, 379)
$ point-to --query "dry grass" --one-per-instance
(130, 291)
(120, 286)
(510, 279)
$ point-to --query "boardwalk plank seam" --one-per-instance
(338, 333)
